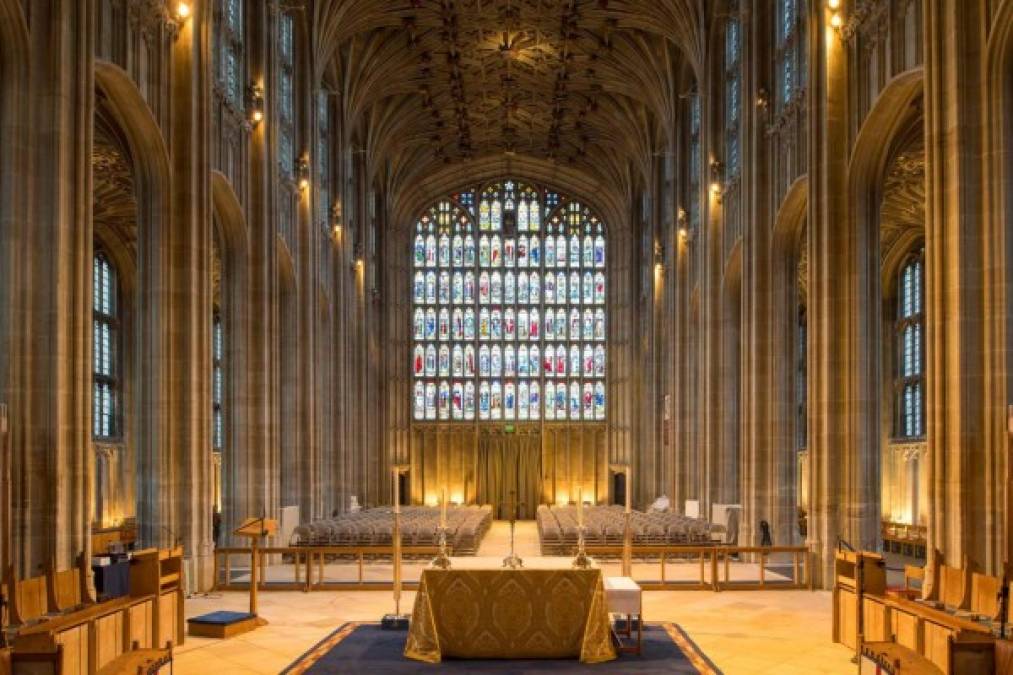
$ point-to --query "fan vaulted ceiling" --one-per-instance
(581, 90)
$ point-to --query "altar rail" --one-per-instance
(303, 560)
(714, 565)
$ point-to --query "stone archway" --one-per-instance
(230, 281)
(157, 493)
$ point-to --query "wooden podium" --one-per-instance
(228, 624)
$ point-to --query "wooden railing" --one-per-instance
(712, 561)
(714, 565)
(304, 559)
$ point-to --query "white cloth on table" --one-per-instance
(622, 595)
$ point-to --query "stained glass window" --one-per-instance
(286, 95)
(105, 349)
(229, 63)
(733, 93)
(509, 308)
(909, 384)
(790, 56)
(218, 383)
(801, 379)
(694, 171)
(323, 182)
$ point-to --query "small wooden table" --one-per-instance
(624, 597)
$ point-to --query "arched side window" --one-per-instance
(323, 158)
(509, 307)
(217, 383)
(801, 379)
(229, 60)
(790, 52)
(733, 91)
(105, 350)
(693, 172)
(909, 382)
(286, 95)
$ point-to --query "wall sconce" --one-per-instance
(255, 104)
(716, 186)
(659, 257)
(762, 99)
(836, 18)
(183, 11)
(357, 257)
(302, 171)
(682, 222)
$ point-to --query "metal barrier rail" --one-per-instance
(711, 560)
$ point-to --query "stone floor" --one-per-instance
(786, 632)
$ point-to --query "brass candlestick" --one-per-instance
(512, 561)
(582, 561)
(442, 560)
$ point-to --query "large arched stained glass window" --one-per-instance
(509, 311)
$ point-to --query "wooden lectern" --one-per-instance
(255, 528)
(226, 624)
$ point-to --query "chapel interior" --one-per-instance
(366, 335)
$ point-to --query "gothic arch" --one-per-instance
(789, 288)
(153, 188)
(231, 233)
(894, 117)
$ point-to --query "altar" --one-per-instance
(510, 614)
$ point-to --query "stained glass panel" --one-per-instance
(520, 290)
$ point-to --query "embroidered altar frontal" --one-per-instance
(510, 614)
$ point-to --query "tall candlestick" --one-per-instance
(629, 488)
(580, 507)
(397, 493)
(443, 508)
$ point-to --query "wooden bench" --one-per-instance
(139, 662)
(894, 659)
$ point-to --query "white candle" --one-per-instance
(629, 488)
(580, 507)
(443, 508)
(397, 493)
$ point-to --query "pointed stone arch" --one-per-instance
(157, 495)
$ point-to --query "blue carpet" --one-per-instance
(366, 649)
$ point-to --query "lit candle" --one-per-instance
(580, 507)
(443, 508)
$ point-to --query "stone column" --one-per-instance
(965, 416)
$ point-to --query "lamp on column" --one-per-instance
(336, 219)
(255, 104)
(717, 185)
(183, 11)
(836, 15)
(682, 223)
(302, 171)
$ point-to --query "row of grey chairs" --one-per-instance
(605, 525)
(466, 526)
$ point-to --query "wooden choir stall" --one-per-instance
(58, 629)
(952, 632)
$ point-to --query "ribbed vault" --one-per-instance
(433, 89)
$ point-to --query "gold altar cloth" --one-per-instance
(510, 614)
